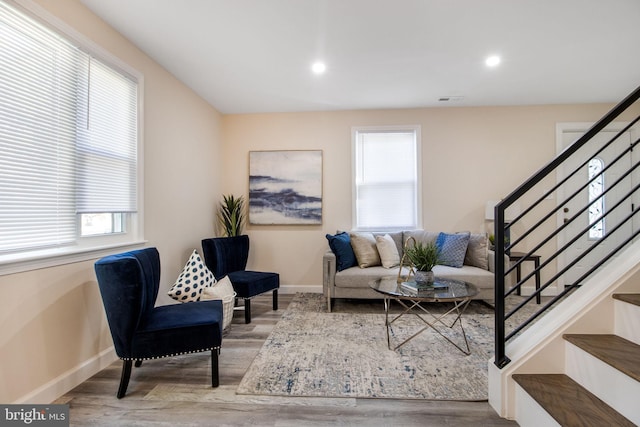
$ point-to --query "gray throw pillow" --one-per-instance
(478, 251)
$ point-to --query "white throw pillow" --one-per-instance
(220, 290)
(388, 251)
(195, 277)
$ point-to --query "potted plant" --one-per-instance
(492, 242)
(423, 257)
(231, 215)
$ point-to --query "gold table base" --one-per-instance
(459, 308)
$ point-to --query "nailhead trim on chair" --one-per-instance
(170, 355)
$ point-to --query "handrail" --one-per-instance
(536, 237)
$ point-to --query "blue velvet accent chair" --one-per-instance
(227, 256)
(129, 285)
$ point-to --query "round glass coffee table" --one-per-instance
(412, 295)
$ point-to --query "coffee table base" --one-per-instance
(458, 309)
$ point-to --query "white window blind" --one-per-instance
(68, 136)
(386, 178)
(106, 152)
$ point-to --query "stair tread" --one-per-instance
(568, 402)
(616, 351)
(630, 298)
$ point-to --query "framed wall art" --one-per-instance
(285, 187)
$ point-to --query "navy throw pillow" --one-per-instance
(340, 244)
(453, 248)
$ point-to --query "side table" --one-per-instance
(517, 256)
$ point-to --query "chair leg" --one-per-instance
(215, 373)
(275, 300)
(138, 363)
(124, 378)
(247, 310)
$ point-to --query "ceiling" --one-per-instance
(247, 56)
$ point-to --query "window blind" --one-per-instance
(68, 136)
(386, 180)
(107, 143)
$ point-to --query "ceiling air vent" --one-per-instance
(450, 98)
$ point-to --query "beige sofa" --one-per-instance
(353, 282)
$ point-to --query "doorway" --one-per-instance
(612, 203)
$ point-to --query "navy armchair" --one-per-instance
(227, 256)
(129, 284)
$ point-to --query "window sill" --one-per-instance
(61, 256)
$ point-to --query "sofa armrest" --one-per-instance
(507, 265)
(492, 261)
(328, 272)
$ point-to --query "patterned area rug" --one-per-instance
(313, 353)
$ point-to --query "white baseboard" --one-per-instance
(65, 382)
(292, 289)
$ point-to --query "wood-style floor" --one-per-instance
(94, 402)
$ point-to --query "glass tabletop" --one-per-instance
(440, 290)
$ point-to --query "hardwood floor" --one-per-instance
(94, 402)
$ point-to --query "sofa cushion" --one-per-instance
(356, 277)
(482, 279)
(453, 248)
(340, 245)
(421, 236)
(364, 246)
(478, 251)
(389, 256)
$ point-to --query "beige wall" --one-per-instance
(469, 156)
(51, 320)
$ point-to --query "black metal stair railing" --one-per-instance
(540, 231)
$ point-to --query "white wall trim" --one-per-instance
(70, 379)
(65, 382)
(292, 289)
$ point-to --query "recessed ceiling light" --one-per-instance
(318, 67)
(492, 61)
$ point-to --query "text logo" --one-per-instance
(34, 415)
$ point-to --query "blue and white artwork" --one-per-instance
(285, 187)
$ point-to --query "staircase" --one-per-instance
(601, 383)
(574, 357)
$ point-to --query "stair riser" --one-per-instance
(627, 321)
(529, 413)
(610, 385)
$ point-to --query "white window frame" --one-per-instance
(389, 128)
(87, 247)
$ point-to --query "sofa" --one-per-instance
(355, 259)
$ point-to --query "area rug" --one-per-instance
(313, 353)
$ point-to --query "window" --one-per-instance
(596, 206)
(68, 143)
(386, 192)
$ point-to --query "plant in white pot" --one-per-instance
(423, 256)
(231, 215)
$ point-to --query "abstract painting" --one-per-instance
(285, 187)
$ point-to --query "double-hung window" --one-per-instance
(386, 167)
(68, 144)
